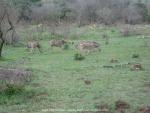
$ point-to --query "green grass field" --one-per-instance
(58, 81)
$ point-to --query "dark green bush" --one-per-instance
(135, 56)
(79, 57)
(16, 94)
(12, 89)
(66, 47)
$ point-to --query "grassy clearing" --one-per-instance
(59, 81)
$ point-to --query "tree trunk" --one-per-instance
(1, 47)
(1, 42)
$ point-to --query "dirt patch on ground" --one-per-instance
(14, 76)
(38, 95)
(87, 82)
(147, 85)
(42, 94)
(36, 85)
(121, 106)
(145, 109)
(104, 108)
(87, 112)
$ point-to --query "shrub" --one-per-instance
(135, 56)
(16, 94)
(79, 57)
(104, 36)
(12, 89)
(112, 30)
(66, 47)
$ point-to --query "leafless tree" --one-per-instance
(91, 11)
(6, 25)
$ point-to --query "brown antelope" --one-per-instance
(88, 46)
(33, 45)
(57, 43)
(137, 67)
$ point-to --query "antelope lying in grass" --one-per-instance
(88, 46)
(33, 45)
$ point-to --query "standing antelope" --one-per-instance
(88, 46)
(57, 43)
(33, 45)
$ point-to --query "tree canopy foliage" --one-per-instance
(85, 11)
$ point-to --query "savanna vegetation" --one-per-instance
(74, 56)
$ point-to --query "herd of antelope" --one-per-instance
(85, 46)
